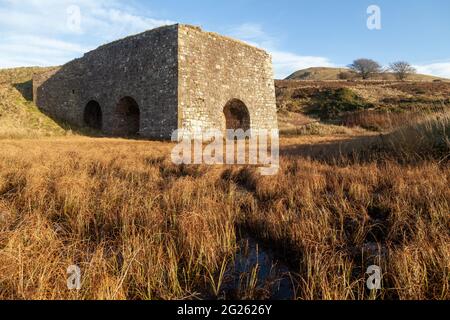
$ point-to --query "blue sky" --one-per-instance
(298, 34)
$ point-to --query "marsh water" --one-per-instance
(256, 273)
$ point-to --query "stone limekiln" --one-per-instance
(173, 77)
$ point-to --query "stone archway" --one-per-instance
(237, 115)
(93, 116)
(128, 117)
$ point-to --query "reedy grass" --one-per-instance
(140, 227)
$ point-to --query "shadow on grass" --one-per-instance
(93, 133)
(344, 151)
(25, 89)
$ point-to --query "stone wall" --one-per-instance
(179, 77)
(214, 70)
(38, 80)
(143, 67)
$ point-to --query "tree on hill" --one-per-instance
(365, 68)
(402, 69)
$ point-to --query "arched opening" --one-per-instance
(93, 117)
(236, 115)
(129, 117)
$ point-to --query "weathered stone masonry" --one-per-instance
(174, 77)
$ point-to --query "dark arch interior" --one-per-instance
(93, 117)
(128, 115)
(236, 115)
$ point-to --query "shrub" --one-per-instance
(346, 76)
(428, 139)
(333, 103)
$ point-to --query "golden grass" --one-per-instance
(19, 117)
(428, 138)
(142, 228)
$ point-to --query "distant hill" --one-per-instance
(323, 74)
(371, 105)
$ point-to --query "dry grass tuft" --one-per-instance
(142, 228)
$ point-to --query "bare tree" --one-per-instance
(365, 68)
(402, 70)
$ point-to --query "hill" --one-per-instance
(328, 74)
(373, 105)
(19, 116)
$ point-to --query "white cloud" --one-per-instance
(39, 32)
(284, 62)
(440, 69)
(28, 50)
(42, 43)
(250, 31)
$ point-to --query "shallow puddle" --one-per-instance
(257, 274)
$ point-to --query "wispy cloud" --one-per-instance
(285, 62)
(251, 31)
(29, 50)
(440, 69)
(39, 32)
